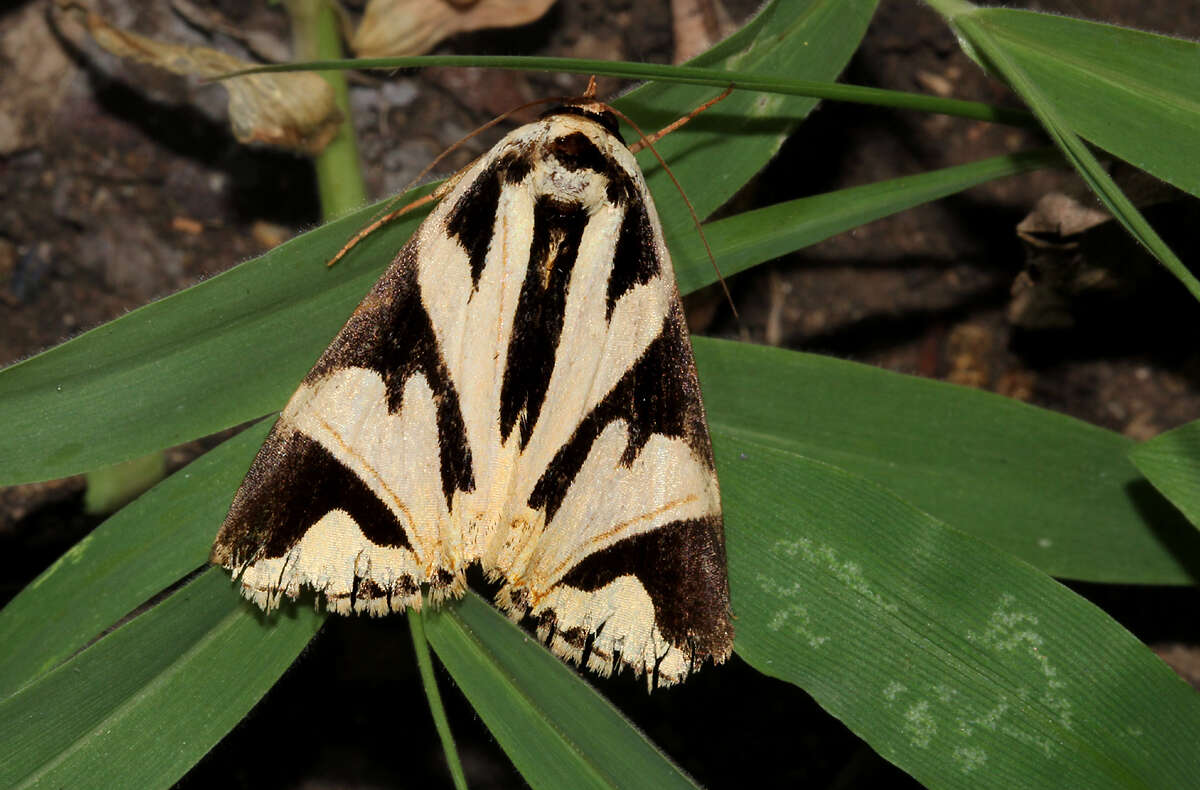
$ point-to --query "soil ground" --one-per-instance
(115, 190)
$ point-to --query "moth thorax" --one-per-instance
(572, 186)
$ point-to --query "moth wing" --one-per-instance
(625, 564)
(631, 567)
(517, 389)
(351, 492)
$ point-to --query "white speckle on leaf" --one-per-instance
(944, 693)
(969, 758)
(920, 725)
(793, 615)
(847, 572)
(1011, 631)
(893, 690)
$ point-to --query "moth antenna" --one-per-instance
(381, 221)
(389, 216)
(663, 132)
(691, 209)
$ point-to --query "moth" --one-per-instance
(518, 390)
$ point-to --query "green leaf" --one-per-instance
(131, 557)
(247, 337)
(947, 460)
(1171, 462)
(234, 347)
(813, 39)
(980, 34)
(140, 706)
(747, 239)
(560, 719)
(969, 433)
(1055, 491)
(557, 730)
(1132, 93)
(272, 314)
(214, 356)
(111, 488)
(962, 665)
(753, 510)
(416, 627)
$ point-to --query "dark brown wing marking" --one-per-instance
(682, 568)
(280, 501)
(537, 325)
(635, 261)
(658, 395)
(473, 217)
(391, 333)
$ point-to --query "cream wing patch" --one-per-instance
(518, 391)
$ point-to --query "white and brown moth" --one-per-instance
(517, 390)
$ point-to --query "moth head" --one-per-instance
(594, 111)
(584, 160)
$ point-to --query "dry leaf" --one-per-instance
(698, 25)
(392, 28)
(969, 349)
(1057, 271)
(263, 44)
(1059, 219)
(1078, 258)
(32, 83)
(294, 110)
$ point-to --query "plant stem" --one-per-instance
(315, 34)
(691, 75)
(416, 623)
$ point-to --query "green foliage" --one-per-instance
(1085, 80)
(891, 540)
(1171, 462)
(982, 671)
